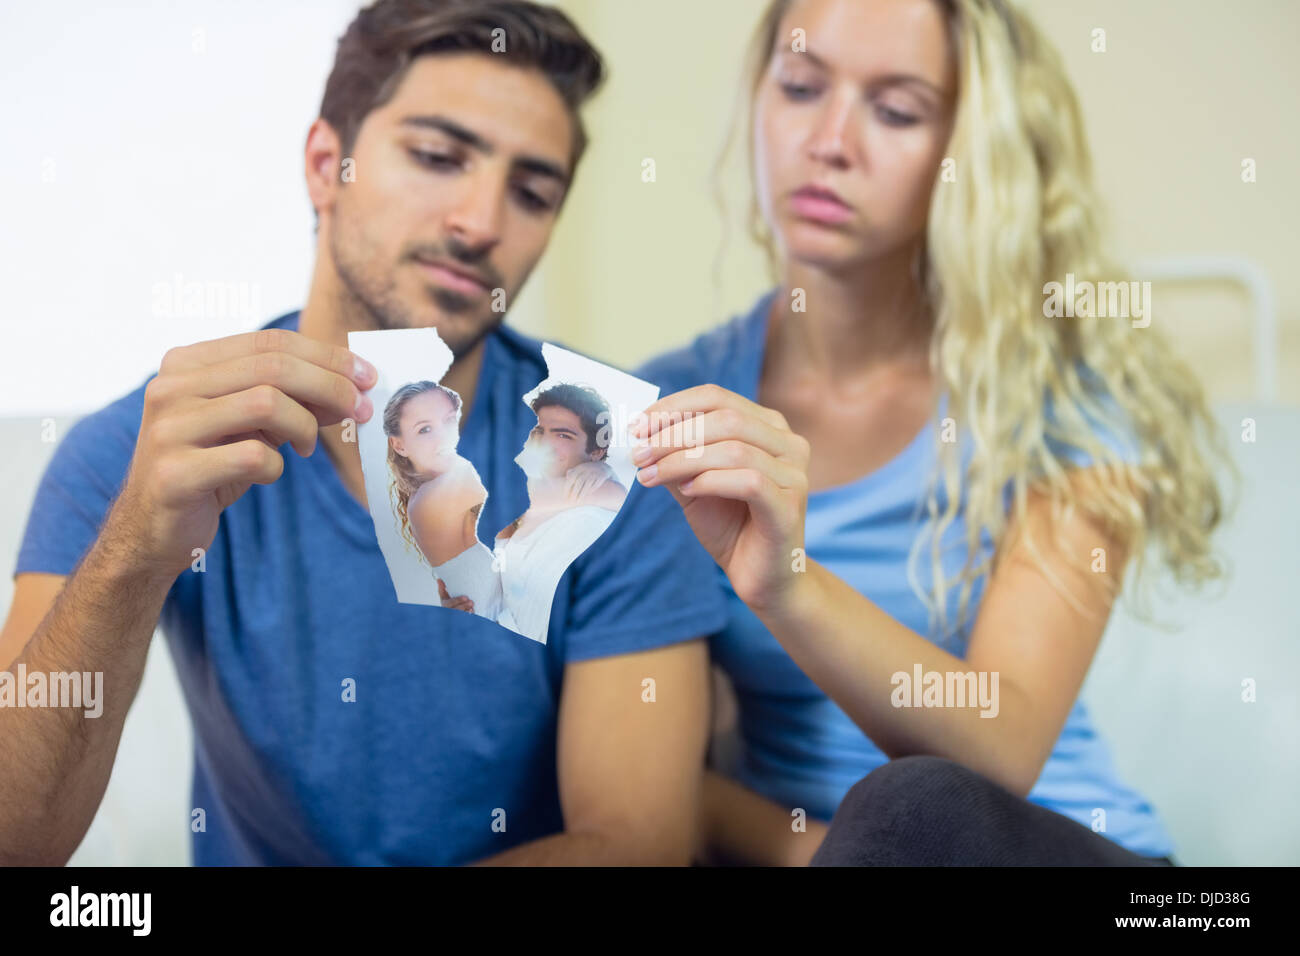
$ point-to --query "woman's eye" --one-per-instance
(798, 91)
(433, 160)
(424, 429)
(895, 118)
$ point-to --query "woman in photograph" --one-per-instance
(437, 495)
(921, 174)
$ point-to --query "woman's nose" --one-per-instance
(831, 140)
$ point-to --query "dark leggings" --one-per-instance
(928, 811)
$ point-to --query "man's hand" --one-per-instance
(461, 603)
(213, 419)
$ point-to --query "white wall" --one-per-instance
(146, 141)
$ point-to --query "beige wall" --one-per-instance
(1185, 91)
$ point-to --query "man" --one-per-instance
(332, 724)
(573, 497)
(565, 456)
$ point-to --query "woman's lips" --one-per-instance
(820, 206)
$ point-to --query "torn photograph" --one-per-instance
(425, 498)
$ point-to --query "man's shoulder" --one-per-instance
(86, 470)
(112, 428)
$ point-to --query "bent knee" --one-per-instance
(906, 784)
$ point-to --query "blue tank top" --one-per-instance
(799, 748)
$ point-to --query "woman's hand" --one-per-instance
(741, 477)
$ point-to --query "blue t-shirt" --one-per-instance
(454, 717)
(798, 747)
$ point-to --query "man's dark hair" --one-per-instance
(380, 44)
(583, 401)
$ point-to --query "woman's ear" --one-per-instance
(396, 445)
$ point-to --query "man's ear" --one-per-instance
(600, 454)
(323, 165)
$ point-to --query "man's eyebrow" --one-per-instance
(564, 428)
(532, 164)
(890, 79)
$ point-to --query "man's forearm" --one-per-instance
(592, 849)
(55, 761)
(742, 827)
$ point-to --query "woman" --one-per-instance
(921, 169)
(437, 495)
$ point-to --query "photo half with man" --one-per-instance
(426, 499)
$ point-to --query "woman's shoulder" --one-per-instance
(460, 480)
(717, 355)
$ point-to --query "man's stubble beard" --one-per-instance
(369, 300)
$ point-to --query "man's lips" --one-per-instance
(453, 276)
(820, 204)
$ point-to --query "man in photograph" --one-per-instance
(573, 497)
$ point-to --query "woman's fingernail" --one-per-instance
(647, 475)
(642, 454)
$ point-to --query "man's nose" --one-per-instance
(477, 217)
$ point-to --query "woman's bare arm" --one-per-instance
(744, 492)
(1032, 647)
